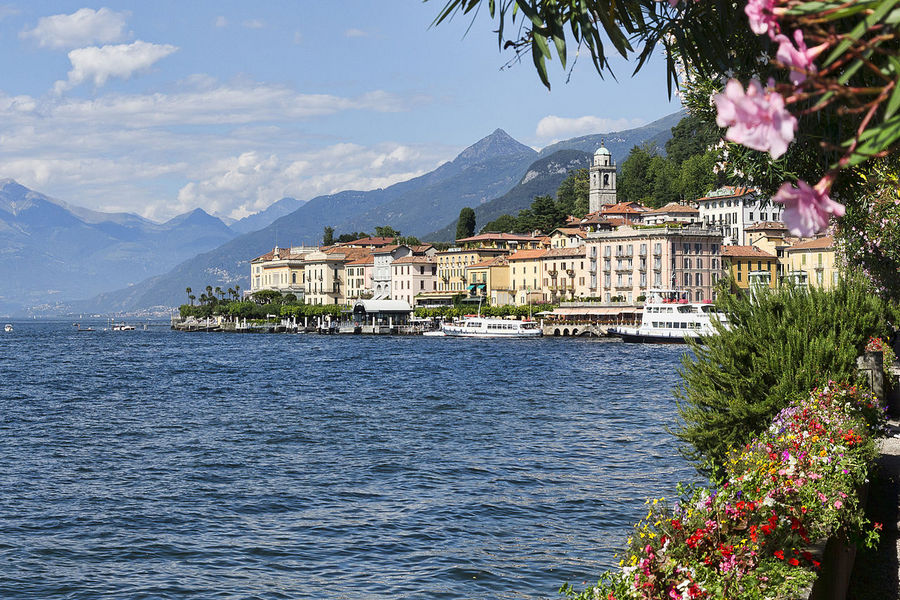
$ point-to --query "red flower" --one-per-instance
(794, 562)
(779, 554)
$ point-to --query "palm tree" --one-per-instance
(188, 291)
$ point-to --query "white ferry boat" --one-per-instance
(668, 319)
(476, 326)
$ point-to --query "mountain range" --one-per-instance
(496, 175)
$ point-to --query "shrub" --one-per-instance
(778, 346)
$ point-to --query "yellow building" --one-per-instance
(750, 267)
(490, 279)
(812, 263)
(281, 270)
(510, 242)
(452, 263)
(526, 275)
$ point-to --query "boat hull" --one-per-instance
(637, 337)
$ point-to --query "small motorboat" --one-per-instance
(8, 327)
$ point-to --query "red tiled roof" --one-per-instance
(282, 254)
(767, 225)
(497, 261)
(817, 244)
(527, 254)
(413, 259)
(565, 252)
(733, 191)
(364, 260)
(745, 252)
(673, 207)
(571, 231)
(623, 208)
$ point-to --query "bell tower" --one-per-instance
(603, 180)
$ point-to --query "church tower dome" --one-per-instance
(602, 180)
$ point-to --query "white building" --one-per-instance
(732, 209)
(602, 180)
(381, 273)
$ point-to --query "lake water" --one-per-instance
(158, 464)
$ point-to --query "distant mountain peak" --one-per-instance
(498, 143)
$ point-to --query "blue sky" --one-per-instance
(161, 107)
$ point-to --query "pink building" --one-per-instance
(625, 264)
(413, 275)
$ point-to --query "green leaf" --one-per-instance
(857, 32)
(539, 51)
(874, 140)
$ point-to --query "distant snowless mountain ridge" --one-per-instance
(59, 258)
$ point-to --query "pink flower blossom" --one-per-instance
(807, 209)
(756, 119)
(761, 15)
(798, 58)
(838, 504)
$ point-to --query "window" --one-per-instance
(687, 279)
(698, 279)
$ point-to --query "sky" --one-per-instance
(158, 108)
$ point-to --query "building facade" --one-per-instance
(359, 277)
(732, 209)
(413, 275)
(280, 270)
(381, 273)
(750, 267)
(565, 274)
(630, 262)
(812, 263)
(526, 274)
(489, 279)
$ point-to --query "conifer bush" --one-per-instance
(778, 345)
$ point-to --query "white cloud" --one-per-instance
(123, 60)
(354, 33)
(232, 149)
(240, 185)
(84, 26)
(7, 10)
(254, 24)
(221, 21)
(553, 127)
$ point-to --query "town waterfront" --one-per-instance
(168, 465)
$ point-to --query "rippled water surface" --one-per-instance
(157, 464)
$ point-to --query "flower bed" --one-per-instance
(750, 536)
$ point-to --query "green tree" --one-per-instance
(409, 240)
(545, 214)
(328, 237)
(573, 193)
(692, 136)
(662, 175)
(188, 291)
(697, 176)
(634, 183)
(778, 346)
(502, 224)
(266, 296)
(386, 231)
(465, 225)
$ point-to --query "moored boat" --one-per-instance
(8, 327)
(477, 326)
(668, 319)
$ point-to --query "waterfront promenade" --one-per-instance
(876, 572)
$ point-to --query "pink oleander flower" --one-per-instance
(756, 119)
(761, 15)
(798, 58)
(807, 209)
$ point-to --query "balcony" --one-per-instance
(570, 273)
(552, 273)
